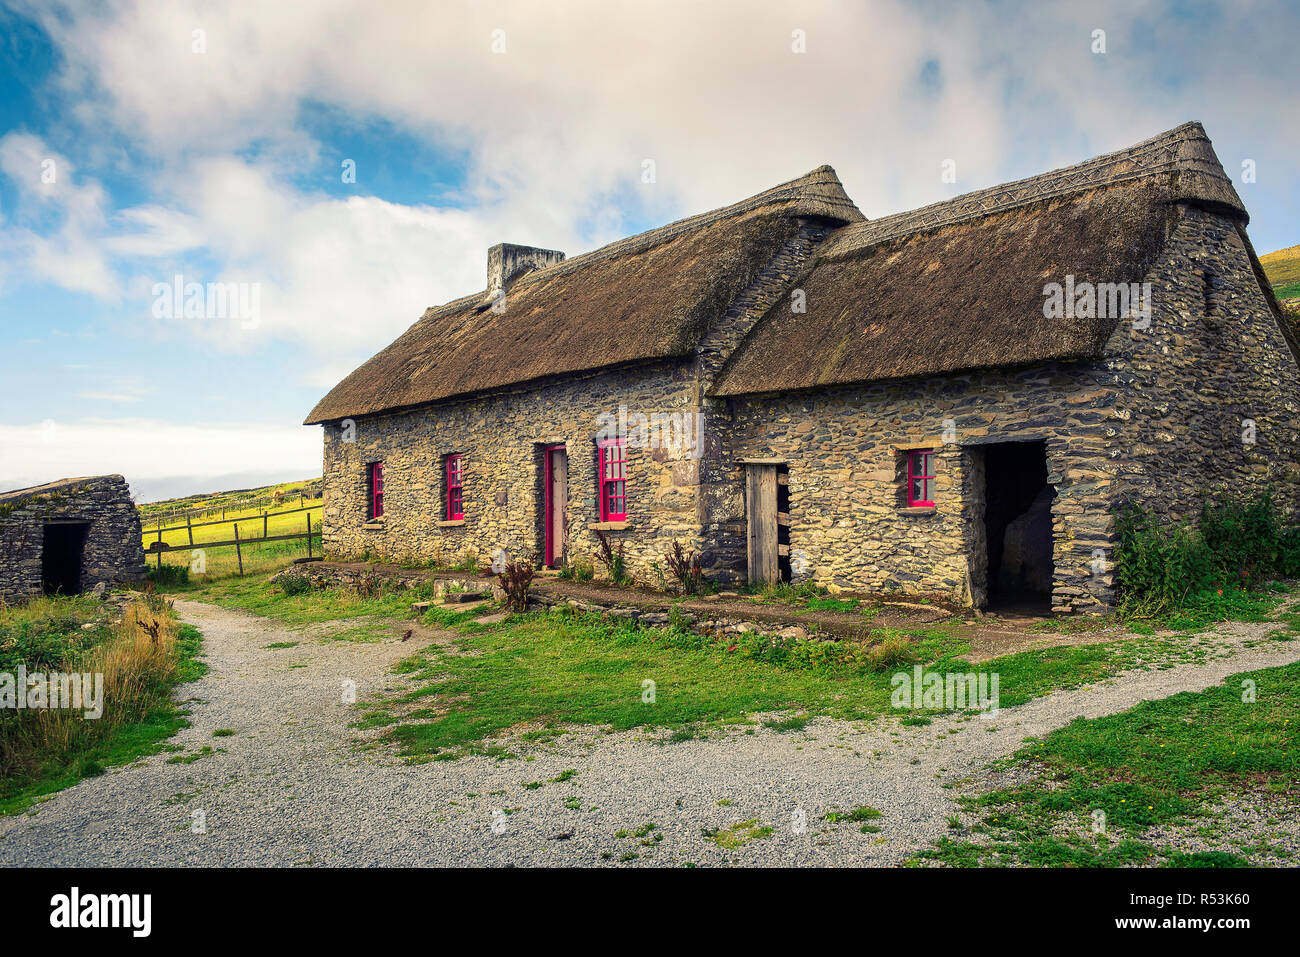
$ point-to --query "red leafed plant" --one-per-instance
(686, 569)
(516, 578)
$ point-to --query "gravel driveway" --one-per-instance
(290, 787)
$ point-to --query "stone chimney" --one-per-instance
(507, 262)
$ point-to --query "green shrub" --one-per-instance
(1236, 544)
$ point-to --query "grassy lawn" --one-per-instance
(46, 750)
(1159, 763)
(534, 674)
(541, 671)
(254, 594)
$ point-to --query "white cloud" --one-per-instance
(561, 122)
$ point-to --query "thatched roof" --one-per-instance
(958, 285)
(651, 296)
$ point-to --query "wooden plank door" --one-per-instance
(556, 498)
(760, 506)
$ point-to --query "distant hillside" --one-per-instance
(234, 499)
(1283, 271)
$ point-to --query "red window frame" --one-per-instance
(920, 468)
(455, 488)
(376, 482)
(612, 473)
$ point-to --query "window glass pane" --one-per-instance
(918, 490)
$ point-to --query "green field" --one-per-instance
(544, 671)
(255, 514)
(214, 505)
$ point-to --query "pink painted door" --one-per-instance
(557, 496)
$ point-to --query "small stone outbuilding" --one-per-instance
(950, 401)
(68, 536)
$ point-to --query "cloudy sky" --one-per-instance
(349, 163)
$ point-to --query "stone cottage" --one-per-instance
(948, 401)
(68, 536)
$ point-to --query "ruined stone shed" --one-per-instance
(804, 394)
(67, 536)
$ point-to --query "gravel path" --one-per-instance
(290, 786)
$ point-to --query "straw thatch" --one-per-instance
(959, 285)
(651, 296)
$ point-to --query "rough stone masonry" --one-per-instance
(93, 525)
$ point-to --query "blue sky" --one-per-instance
(208, 140)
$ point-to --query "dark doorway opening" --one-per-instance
(1018, 526)
(61, 557)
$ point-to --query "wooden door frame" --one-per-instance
(547, 504)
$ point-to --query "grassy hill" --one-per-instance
(241, 500)
(1283, 270)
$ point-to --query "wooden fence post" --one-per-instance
(309, 534)
(264, 532)
(190, 528)
(238, 554)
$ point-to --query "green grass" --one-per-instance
(858, 814)
(1159, 763)
(122, 745)
(211, 503)
(256, 595)
(549, 670)
(737, 835)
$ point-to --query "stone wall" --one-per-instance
(845, 450)
(1213, 361)
(112, 553)
(501, 438)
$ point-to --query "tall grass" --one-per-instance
(1236, 544)
(141, 657)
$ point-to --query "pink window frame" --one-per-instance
(613, 490)
(455, 488)
(927, 478)
(376, 482)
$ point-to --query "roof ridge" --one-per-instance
(818, 192)
(1185, 149)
